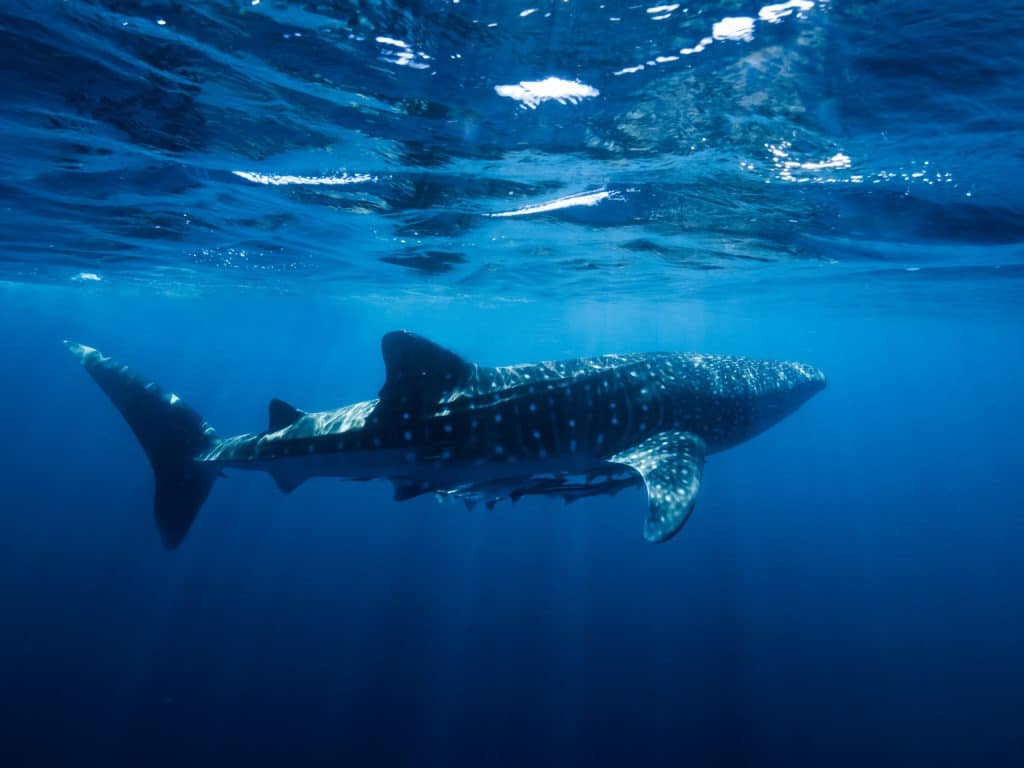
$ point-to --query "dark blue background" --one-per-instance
(848, 591)
(843, 189)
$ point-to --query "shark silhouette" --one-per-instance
(440, 424)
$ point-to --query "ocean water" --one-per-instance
(238, 199)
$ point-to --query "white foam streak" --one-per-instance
(773, 14)
(839, 161)
(405, 56)
(810, 170)
(739, 28)
(735, 28)
(704, 43)
(584, 199)
(532, 93)
(330, 181)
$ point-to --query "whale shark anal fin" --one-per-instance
(419, 372)
(282, 415)
(670, 464)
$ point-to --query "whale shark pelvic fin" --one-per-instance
(670, 464)
(286, 481)
(405, 490)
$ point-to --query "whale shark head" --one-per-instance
(790, 386)
(809, 379)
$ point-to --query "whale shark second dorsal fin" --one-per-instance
(419, 372)
(282, 415)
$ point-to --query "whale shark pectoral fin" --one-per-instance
(670, 464)
(418, 371)
(282, 415)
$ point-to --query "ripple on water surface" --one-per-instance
(553, 150)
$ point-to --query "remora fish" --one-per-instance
(571, 428)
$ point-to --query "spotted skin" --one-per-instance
(571, 428)
(670, 464)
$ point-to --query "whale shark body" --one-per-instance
(440, 424)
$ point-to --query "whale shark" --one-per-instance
(441, 424)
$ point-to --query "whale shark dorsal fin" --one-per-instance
(282, 415)
(418, 371)
(670, 464)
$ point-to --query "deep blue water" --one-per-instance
(239, 199)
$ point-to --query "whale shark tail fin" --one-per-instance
(172, 435)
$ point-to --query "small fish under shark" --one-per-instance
(441, 424)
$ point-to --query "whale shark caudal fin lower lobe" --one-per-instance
(171, 434)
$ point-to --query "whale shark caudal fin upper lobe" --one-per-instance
(670, 464)
(171, 434)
